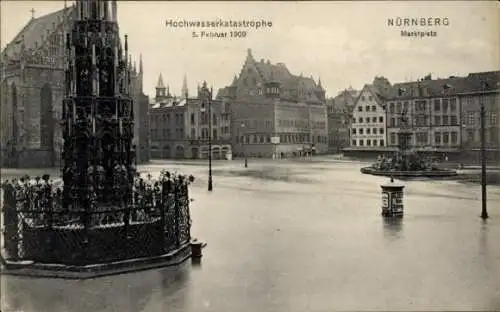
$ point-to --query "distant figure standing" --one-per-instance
(446, 158)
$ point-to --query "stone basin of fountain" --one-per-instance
(410, 166)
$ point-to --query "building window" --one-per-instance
(361, 131)
(421, 105)
(393, 138)
(374, 142)
(193, 134)
(353, 142)
(368, 142)
(374, 130)
(367, 108)
(360, 108)
(471, 118)
(446, 137)
(367, 130)
(493, 118)
(374, 108)
(437, 138)
(437, 105)
(398, 108)
(381, 143)
(381, 119)
(445, 105)
(361, 142)
(360, 119)
(374, 119)
(453, 120)
(470, 135)
(437, 120)
(353, 130)
(453, 105)
(421, 138)
(393, 122)
(445, 121)
(363, 98)
(391, 108)
(370, 98)
(192, 119)
(454, 138)
(381, 130)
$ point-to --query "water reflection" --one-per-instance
(127, 293)
(196, 262)
(393, 227)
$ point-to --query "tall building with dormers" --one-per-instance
(32, 84)
(275, 113)
(444, 115)
(182, 126)
(368, 127)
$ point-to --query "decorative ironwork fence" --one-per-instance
(37, 226)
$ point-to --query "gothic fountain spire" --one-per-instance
(97, 110)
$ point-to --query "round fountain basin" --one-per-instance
(440, 173)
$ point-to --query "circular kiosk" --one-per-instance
(392, 199)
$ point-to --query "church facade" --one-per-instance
(32, 85)
(275, 113)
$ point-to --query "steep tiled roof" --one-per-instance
(280, 73)
(274, 72)
(345, 99)
(223, 92)
(436, 87)
(34, 30)
(474, 81)
(376, 94)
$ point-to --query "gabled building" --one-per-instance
(368, 127)
(339, 112)
(480, 88)
(275, 113)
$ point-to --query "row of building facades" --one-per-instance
(266, 111)
(443, 116)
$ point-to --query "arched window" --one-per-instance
(46, 118)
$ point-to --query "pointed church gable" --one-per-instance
(31, 35)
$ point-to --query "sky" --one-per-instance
(343, 43)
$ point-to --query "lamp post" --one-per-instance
(244, 147)
(210, 185)
(484, 211)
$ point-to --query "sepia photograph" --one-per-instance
(272, 156)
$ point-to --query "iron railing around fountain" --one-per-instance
(38, 228)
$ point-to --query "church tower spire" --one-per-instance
(160, 89)
(184, 90)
